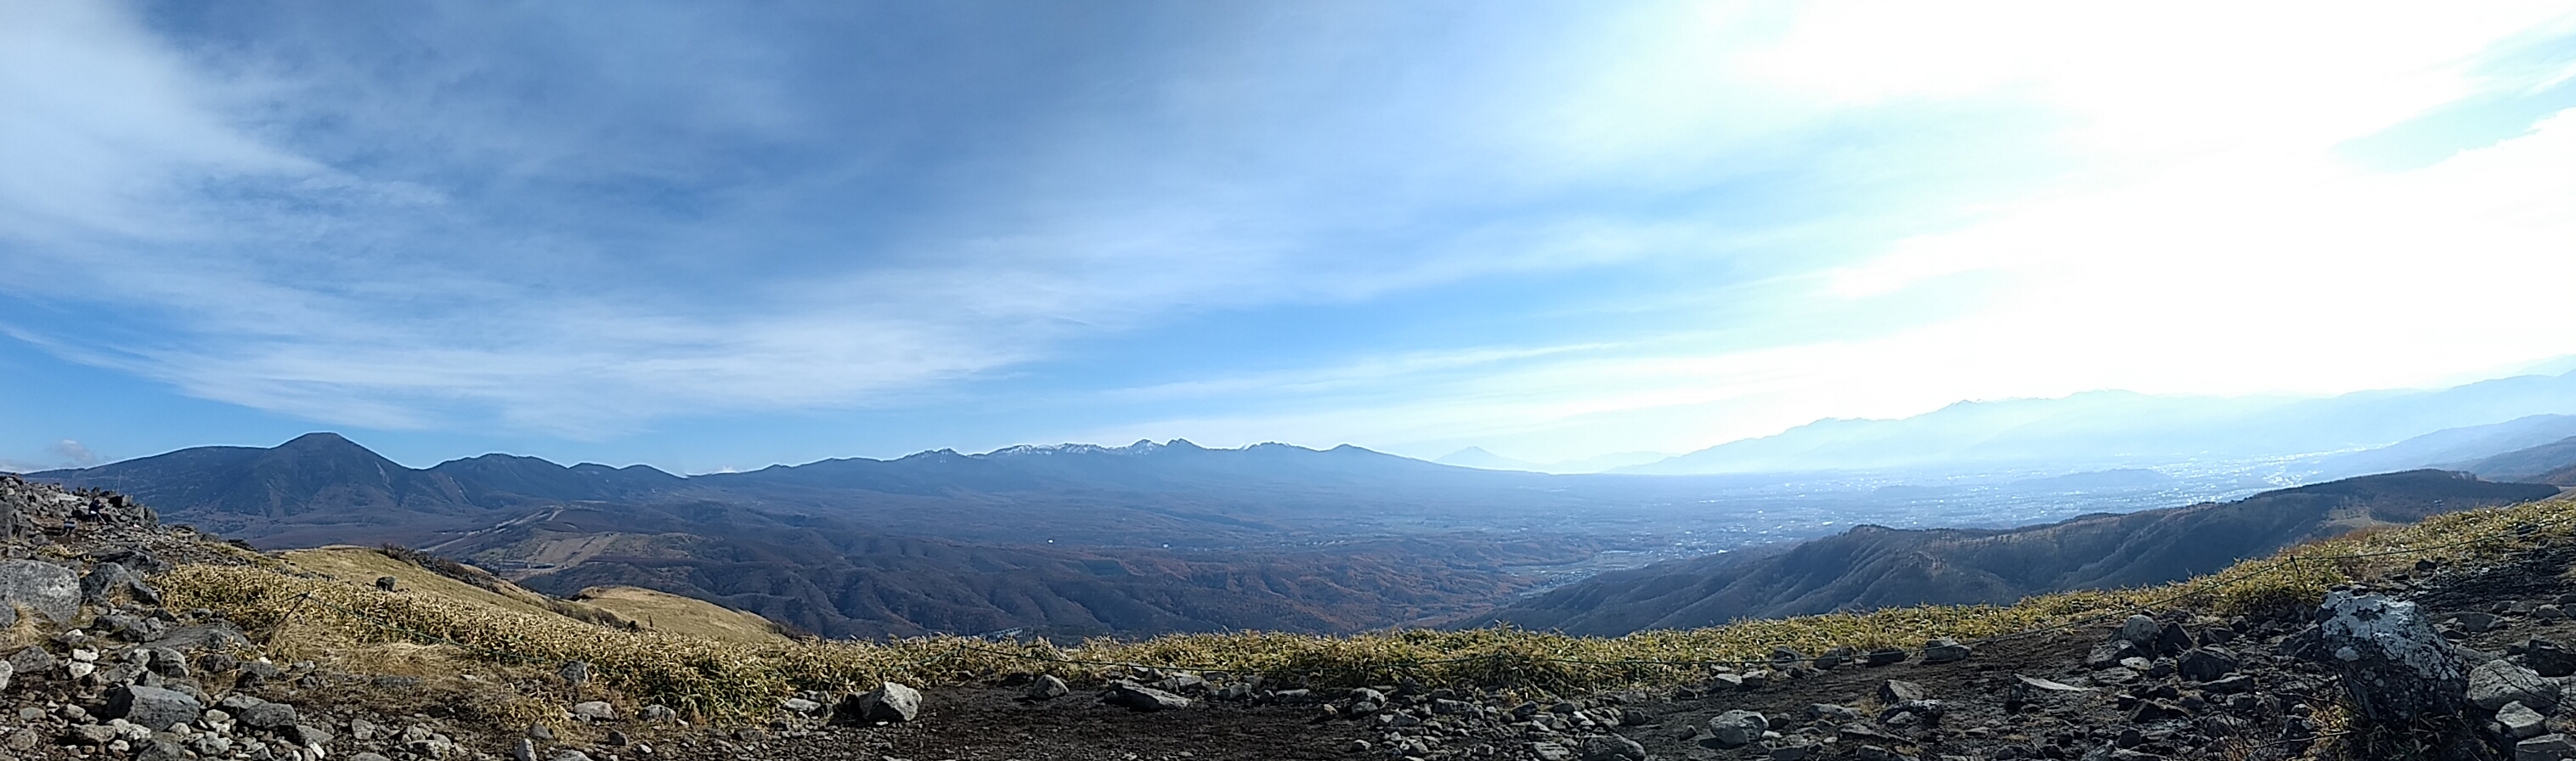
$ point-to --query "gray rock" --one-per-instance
(2173, 639)
(368, 756)
(2110, 654)
(571, 755)
(2048, 685)
(1944, 650)
(888, 702)
(1896, 691)
(2495, 683)
(2139, 631)
(575, 672)
(526, 750)
(307, 735)
(2548, 747)
(1611, 748)
(2206, 664)
(106, 580)
(1831, 711)
(2548, 658)
(153, 708)
(267, 715)
(1737, 728)
(160, 749)
(200, 637)
(47, 589)
(1141, 698)
(800, 705)
(33, 660)
(2520, 721)
(1047, 687)
(594, 710)
(2392, 663)
(1184, 684)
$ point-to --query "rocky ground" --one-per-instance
(100, 670)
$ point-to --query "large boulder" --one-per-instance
(2392, 662)
(45, 588)
(888, 702)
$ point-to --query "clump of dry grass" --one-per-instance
(310, 617)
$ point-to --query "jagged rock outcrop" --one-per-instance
(2394, 665)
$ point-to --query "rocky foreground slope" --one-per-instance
(99, 668)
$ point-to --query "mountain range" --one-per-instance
(1152, 538)
(2105, 429)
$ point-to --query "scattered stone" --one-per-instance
(1142, 698)
(1737, 728)
(1047, 687)
(575, 673)
(267, 715)
(599, 710)
(1611, 748)
(2548, 747)
(2520, 721)
(1944, 650)
(2548, 659)
(307, 735)
(1896, 691)
(2173, 639)
(153, 708)
(2206, 664)
(2139, 631)
(799, 706)
(890, 701)
(2495, 683)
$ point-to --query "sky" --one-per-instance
(717, 236)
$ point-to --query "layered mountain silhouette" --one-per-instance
(2552, 463)
(2110, 428)
(1870, 567)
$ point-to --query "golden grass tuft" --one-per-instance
(321, 618)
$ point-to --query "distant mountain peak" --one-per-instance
(320, 440)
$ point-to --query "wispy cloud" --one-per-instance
(1581, 229)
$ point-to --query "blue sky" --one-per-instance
(712, 236)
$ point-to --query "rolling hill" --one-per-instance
(1870, 567)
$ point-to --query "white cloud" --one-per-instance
(2192, 233)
